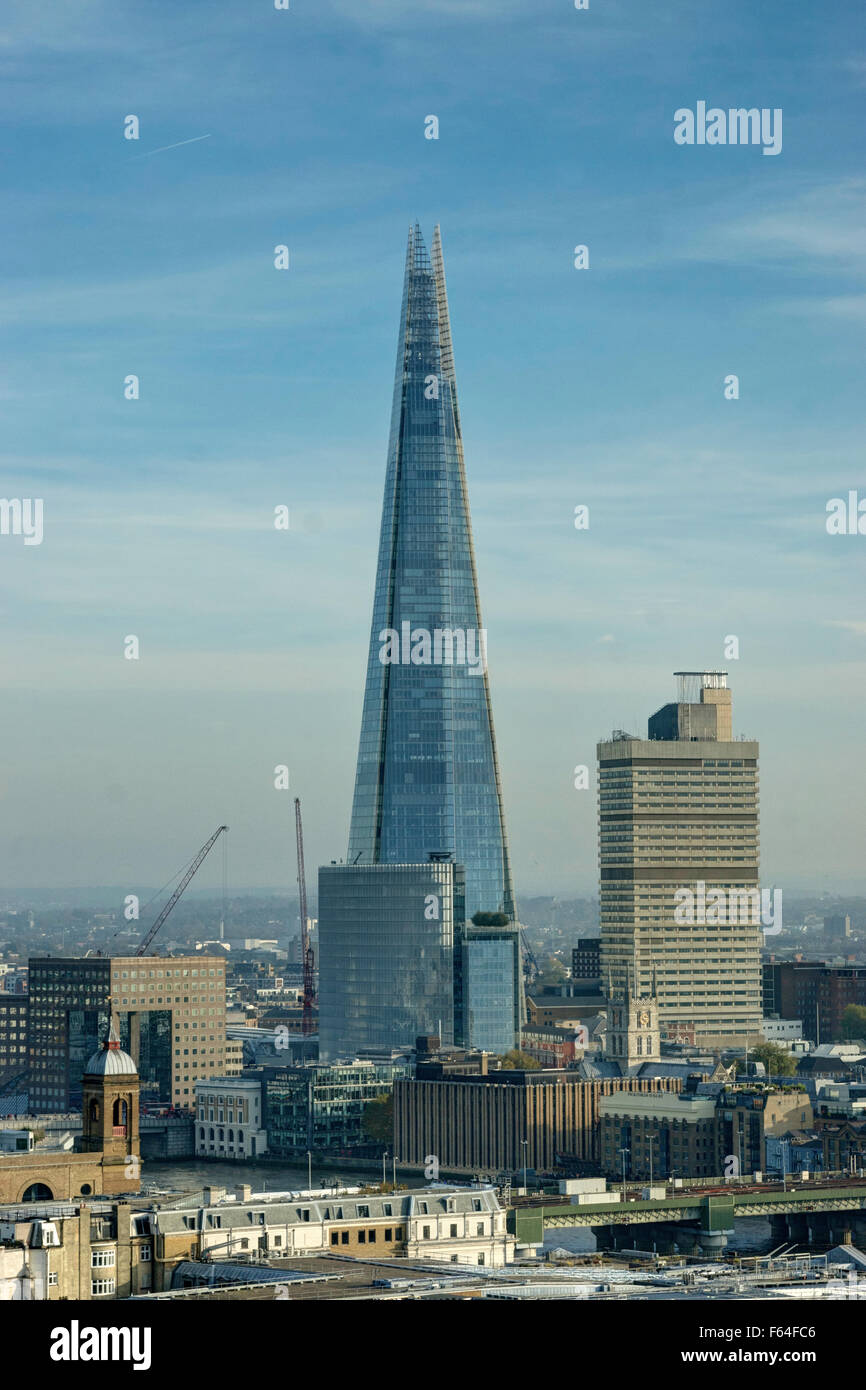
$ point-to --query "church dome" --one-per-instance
(111, 1060)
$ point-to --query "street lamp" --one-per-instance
(623, 1152)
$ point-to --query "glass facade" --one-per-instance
(427, 778)
(489, 975)
(68, 1018)
(386, 954)
(321, 1108)
(427, 792)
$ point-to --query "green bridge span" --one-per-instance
(715, 1213)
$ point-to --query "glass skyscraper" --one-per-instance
(427, 790)
(387, 937)
(428, 778)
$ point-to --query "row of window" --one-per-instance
(159, 974)
(367, 1237)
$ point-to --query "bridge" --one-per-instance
(806, 1214)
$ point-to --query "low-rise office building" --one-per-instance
(551, 1046)
(657, 1136)
(321, 1108)
(508, 1119)
(455, 1225)
(711, 1130)
(228, 1120)
(748, 1114)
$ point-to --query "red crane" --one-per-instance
(202, 854)
(306, 948)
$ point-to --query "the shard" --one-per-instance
(400, 955)
(428, 778)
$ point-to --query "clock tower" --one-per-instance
(632, 1035)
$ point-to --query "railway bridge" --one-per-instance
(813, 1215)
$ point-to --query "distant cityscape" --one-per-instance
(517, 1089)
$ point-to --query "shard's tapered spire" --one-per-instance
(428, 778)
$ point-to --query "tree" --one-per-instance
(553, 972)
(515, 1060)
(378, 1119)
(854, 1022)
(490, 919)
(776, 1059)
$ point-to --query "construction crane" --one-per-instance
(181, 887)
(534, 970)
(306, 948)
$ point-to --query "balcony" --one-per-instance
(118, 1131)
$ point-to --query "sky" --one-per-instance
(601, 387)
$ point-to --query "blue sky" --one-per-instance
(601, 387)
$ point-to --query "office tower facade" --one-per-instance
(498, 1122)
(13, 1036)
(427, 777)
(387, 937)
(586, 959)
(427, 789)
(171, 1014)
(678, 836)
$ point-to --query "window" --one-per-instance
(371, 1237)
(453, 1230)
(145, 1254)
(362, 1237)
(481, 1259)
(479, 1228)
(102, 1259)
(389, 1234)
(335, 1237)
(52, 1278)
(344, 1237)
(101, 1286)
(425, 1233)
